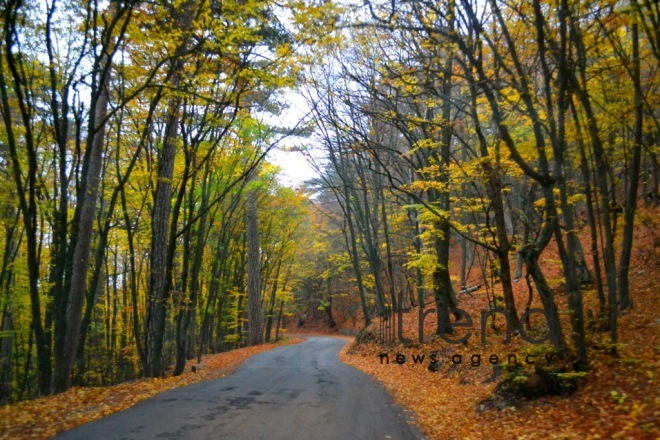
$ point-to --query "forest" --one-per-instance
(457, 145)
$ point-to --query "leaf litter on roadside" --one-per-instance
(46, 416)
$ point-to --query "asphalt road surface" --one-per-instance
(299, 391)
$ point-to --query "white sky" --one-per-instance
(295, 169)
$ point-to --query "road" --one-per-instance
(299, 391)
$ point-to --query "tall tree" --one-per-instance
(119, 16)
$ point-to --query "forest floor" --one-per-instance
(618, 398)
(46, 416)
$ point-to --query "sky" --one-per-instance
(295, 168)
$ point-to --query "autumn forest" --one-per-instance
(503, 151)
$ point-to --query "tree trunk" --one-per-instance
(255, 322)
(7, 318)
(579, 82)
(158, 255)
(279, 319)
(625, 302)
(26, 188)
(591, 215)
(160, 278)
(83, 240)
(531, 253)
(6, 353)
(271, 302)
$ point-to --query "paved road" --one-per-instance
(294, 392)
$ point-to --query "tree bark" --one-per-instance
(160, 278)
(625, 302)
(255, 319)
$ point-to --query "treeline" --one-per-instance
(495, 128)
(132, 154)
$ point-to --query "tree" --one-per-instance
(255, 323)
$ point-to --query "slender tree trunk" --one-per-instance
(591, 215)
(368, 230)
(26, 188)
(443, 291)
(503, 245)
(388, 248)
(7, 317)
(271, 302)
(625, 302)
(255, 322)
(531, 253)
(279, 319)
(76, 284)
(6, 353)
(579, 82)
(102, 241)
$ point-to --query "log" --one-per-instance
(469, 290)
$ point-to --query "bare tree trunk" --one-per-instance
(625, 302)
(579, 82)
(255, 323)
(531, 253)
(350, 237)
(7, 318)
(84, 235)
(369, 230)
(271, 302)
(279, 319)
(391, 282)
(443, 291)
(591, 216)
(6, 353)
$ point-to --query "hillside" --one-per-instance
(617, 399)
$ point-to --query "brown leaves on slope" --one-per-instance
(620, 398)
(618, 401)
(44, 417)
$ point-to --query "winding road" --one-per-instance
(293, 392)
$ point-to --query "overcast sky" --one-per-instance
(295, 169)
